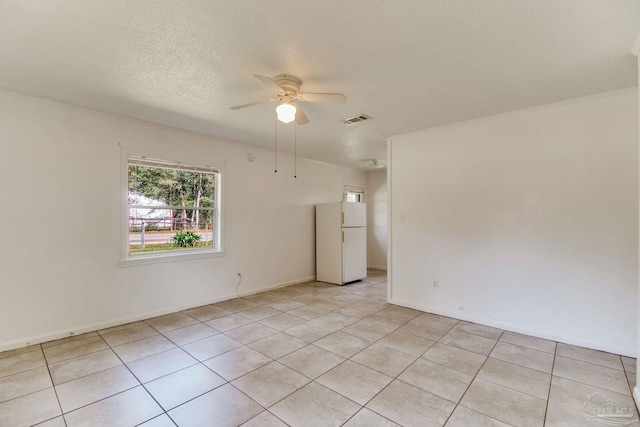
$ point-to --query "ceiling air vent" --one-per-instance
(356, 119)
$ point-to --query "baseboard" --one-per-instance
(42, 338)
(276, 286)
(615, 349)
(636, 397)
(377, 267)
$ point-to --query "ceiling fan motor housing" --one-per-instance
(286, 89)
(288, 83)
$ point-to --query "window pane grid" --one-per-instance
(157, 207)
(165, 164)
(171, 207)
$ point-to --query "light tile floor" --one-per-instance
(309, 355)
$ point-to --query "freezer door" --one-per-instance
(354, 254)
(354, 214)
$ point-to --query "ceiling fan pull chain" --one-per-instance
(275, 151)
(295, 150)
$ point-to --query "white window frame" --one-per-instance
(359, 189)
(127, 259)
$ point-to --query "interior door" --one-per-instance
(354, 254)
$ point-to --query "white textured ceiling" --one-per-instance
(409, 64)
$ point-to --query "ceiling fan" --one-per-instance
(286, 89)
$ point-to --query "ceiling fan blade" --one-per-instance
(322, 97)
(301, 117)
(251, 104)
(269, 82)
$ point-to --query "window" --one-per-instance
(353, 193)
(173, 208)
(353, 196)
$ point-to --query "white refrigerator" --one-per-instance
(341, 242)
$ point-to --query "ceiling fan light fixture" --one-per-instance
(286, 112)
(286, 89)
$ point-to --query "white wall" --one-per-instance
(528, 221)
(377, 219)
(62, 191)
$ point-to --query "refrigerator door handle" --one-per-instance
(343, 237)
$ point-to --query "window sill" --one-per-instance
(169, 257)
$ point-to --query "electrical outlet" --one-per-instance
(460, 307)
(435, 284)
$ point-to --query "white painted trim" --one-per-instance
(636, 392)
(389, 222)
(581, 342)
(346, 187)
(38, 339)
(377, 267)
(170, 257)
(276, 286)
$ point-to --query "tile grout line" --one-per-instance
(371, 344)
(198, 362)
(473, 379)
(311, 380)
(119, 358)
(102, 370)
(139, 382)
(618, 356)
(553, 364)
(53, 385)
(247, 345)
(626, 374)
(314, 380)
(396, 378)
(338, 310)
